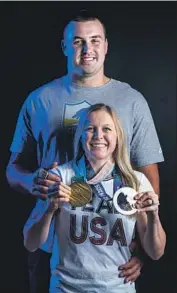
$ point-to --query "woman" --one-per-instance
(91, 236)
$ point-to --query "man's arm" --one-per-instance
(152, 173)
(18, 174)
(23, 178)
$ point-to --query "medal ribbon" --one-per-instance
(107, 172)
(100, 191)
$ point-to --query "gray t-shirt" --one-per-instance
(48, 117)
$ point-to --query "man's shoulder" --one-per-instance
(45, 89)
(126, 89)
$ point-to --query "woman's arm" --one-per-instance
(36, 233)
(152, 234)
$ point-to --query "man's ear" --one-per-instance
(63, 46)
(106, 47)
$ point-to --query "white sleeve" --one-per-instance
(55, 171)
(145, 184)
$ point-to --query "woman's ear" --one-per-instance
(63, 46)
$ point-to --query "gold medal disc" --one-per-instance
(81, 194)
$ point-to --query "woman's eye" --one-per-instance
(89, 129)
(107, 129)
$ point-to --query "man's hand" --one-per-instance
(41, 187)
(131, 270)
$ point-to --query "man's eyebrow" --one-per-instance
(92, 37)
(96, 36)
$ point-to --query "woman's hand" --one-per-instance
(147, 202)
(60, 197)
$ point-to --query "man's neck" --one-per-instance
(88, 81)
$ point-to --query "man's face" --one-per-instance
(85, 46)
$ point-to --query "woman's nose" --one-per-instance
(98, 134)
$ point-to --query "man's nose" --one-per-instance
(86, 47)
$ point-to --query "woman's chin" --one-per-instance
(99, 157)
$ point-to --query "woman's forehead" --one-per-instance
(99, 116)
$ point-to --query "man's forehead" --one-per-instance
(81, 29)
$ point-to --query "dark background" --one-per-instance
(142, 52)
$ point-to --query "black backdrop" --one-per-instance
(142, 52)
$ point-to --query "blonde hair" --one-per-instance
(120, 154)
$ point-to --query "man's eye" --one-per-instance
(77, 42)
(95, 41)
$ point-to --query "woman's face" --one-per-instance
(99, 138)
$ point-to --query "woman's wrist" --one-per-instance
(49, 212)
(153, 215)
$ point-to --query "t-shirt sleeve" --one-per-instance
(145, 184)
(23, 139)
(145, 145)
(36, 214)
(65, 172)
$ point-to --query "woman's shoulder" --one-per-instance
(139, 175)
(145, 184)
(65, 171)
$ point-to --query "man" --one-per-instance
(46, 122)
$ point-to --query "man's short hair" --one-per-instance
(86, 15)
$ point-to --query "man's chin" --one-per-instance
(87, 73)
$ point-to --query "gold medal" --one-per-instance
(81, 194)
